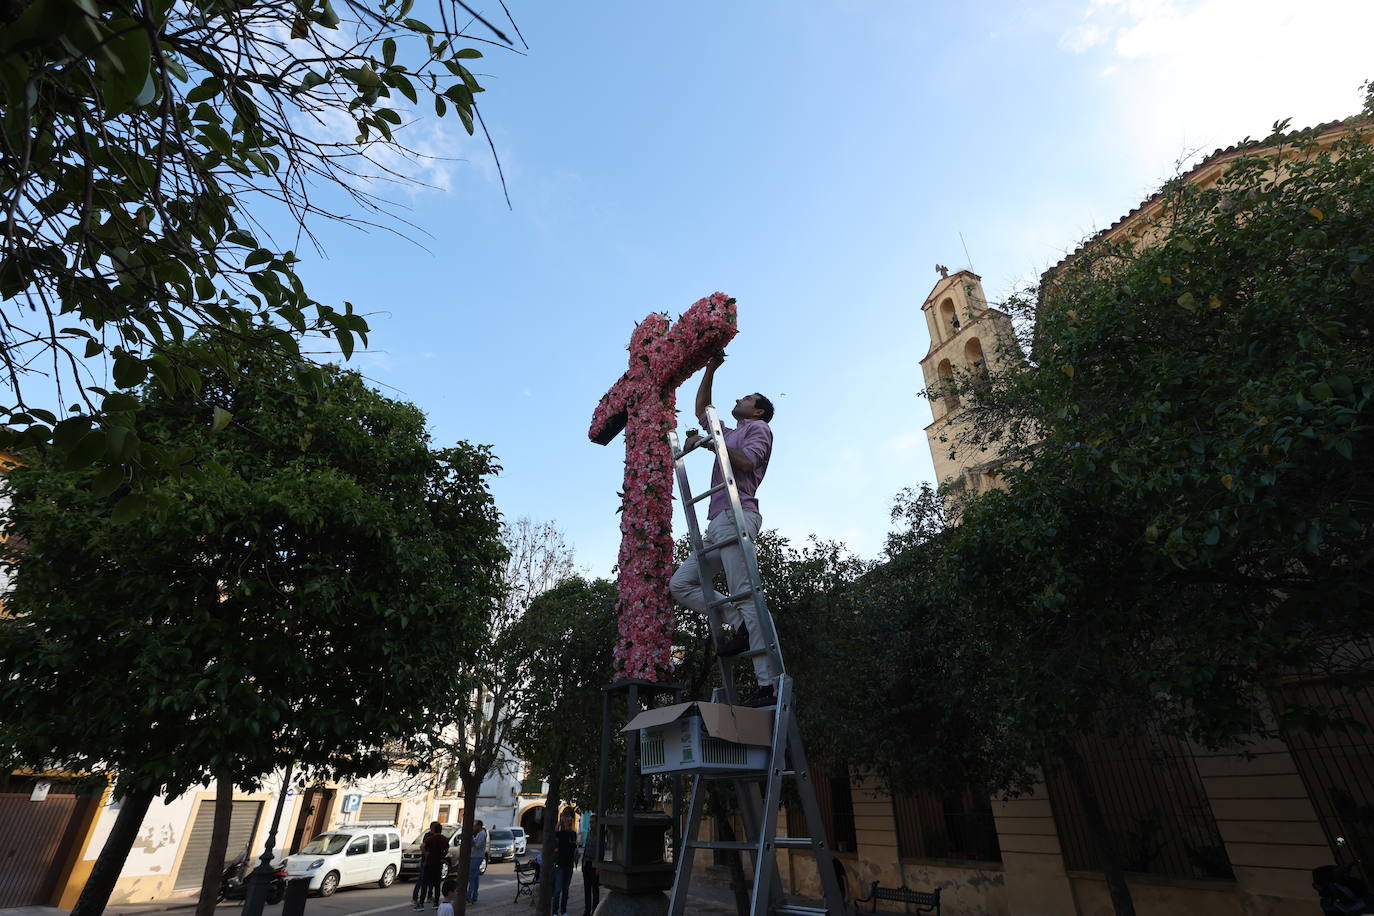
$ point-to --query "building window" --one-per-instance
(1337, 764)
(948, 395)
(977, 363)
(950, 316)
(1154, 804)
(953, 825)
(836, 802)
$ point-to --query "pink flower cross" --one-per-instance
(643, 404)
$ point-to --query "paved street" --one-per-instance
(496, 899)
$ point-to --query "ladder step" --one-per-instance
(731, 599)
(792, 842)
(723, 844)
(720, 545)
(709, 493)
(753, 653)
(796, 909)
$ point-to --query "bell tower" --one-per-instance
(968, 337)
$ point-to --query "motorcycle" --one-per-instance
(234, 882)
(1341, 892)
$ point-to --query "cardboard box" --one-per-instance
(702, 738)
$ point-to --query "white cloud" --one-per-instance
(1082, 37)
(1202, 74)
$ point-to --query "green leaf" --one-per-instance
(388, 51)
(119, 402)
(108, 481)
(258, 256)
(124, 64)
(327, 17)
(68, 432)
(221, 420)
(129, 508)
(128, 370)
(90, 448)
(467, 53)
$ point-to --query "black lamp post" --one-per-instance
(261, 878)
(632, 867)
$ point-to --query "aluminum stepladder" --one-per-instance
(760, 792)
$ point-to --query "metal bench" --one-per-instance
(924, 901)
(526, 879)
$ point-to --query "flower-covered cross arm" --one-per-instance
(643, 404)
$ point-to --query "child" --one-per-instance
(450, 891)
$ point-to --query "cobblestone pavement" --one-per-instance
(496, 899)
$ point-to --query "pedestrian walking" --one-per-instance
(479, 853)
(591, 852)
(565, 851)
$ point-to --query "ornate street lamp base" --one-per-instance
(654, 903)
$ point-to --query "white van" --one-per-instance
(365, 853)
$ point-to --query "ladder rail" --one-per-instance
(759, 805)
(746, 542)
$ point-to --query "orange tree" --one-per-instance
(1183, 517)
(144, 144)
(280, 600)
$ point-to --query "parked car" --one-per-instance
(410, 855)
(521, 841)
(500, 845)
(352, 854)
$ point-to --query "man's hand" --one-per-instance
(704, 389)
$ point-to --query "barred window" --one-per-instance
(836, 801)
(1337, 764)
(1153, 801)
(953, 825)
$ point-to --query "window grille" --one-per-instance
(956, 825)
(1337, 764)
(836, 801)
(1154, 804)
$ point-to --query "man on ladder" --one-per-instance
(750, 445)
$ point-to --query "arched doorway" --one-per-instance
(533, 823)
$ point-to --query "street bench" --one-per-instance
(526, 879)
(924, 901)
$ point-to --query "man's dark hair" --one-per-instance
(762, 403)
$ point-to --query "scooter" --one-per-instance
(1341, 893)
(234, 883)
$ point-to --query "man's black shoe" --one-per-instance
(735, 644)
(761, 696)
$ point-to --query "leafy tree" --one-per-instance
(476, 729)
(1182, 519)
(270, 606)
(139, 142)
(568, 634)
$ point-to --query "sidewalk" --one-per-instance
(496, 900)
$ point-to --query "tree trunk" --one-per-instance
(471, 786)
(1101, 835)
(550, 853)
(219, 841)
(96, 894)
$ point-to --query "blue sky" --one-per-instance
(814, 160)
